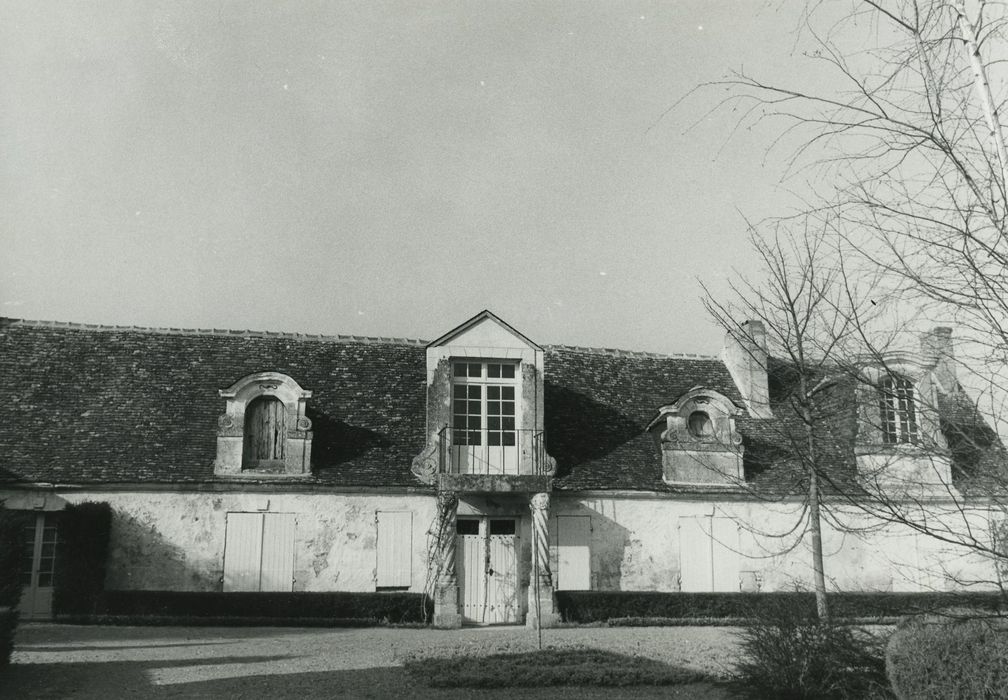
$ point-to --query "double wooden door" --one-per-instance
(38, 566)
(486, 565)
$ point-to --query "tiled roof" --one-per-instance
(99, 404)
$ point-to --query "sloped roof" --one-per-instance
(88, 404)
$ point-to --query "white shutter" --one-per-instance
(573, 553)
(725, 557)
(277, 552)
(696, 571)
(242, 551)
(394, 550)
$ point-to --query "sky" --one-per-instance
(385, 168)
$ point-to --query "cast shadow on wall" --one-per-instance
(335, 442)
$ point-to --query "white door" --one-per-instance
(394, 549)
(708, 554)
(573, 571)
(486, 566)
(39, 542)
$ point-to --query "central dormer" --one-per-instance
(484, 410)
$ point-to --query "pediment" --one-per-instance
(485, 330)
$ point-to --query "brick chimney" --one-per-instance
(745, 356)
(936, 347)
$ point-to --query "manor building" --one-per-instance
(481, 468)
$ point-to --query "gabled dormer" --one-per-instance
(484, 408)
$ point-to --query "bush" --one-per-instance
(791, 654)
(949, 659)
(81, 557)
(11, 557)
(266, 608)
(601, 606)
(8, 624)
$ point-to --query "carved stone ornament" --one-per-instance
(550, 466)
(425, 464)
(225, 422)
(304, 423)
(269, 385)
(540, 501)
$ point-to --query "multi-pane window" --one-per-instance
(897, 411)
(483, 403)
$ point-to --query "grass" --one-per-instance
(549, 667)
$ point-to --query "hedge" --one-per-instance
(8, 625)
(12, 523)
(932, 660)
(166, 607)
(602, 606)
(82, 551)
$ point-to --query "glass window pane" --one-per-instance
(475, 438)
(493, 408)
(502, 527)
(508, 423)
(493, 423)
(508, 371)
(474, 408)
(45, 579)
(459, 369)
(459, 391)
(493, 439)
(475, 392)
(493, 392)
(475, 369)
(507, 408)
(508, 439)
(493, 370)
(474, 423)
(507, 392)
(467, 527)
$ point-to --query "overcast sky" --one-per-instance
(382, 168)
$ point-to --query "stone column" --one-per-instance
(541, 601)
(446, 593)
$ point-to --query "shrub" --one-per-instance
(11, 557)
(336, 608)
(791, 654)
(8, 624)
(81, 557)
(600, 606)
(943, 659)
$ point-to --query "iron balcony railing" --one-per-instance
(519, 452)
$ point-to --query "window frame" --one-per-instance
(898, 412)
(480, 423)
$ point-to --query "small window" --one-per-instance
(897, 412)
(502, 527)
(467, 527)
(700, 425)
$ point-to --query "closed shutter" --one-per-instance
(573, 553)
(277, 552)
(695, 566)
(394, 550)
(242, 551)
(724, 554)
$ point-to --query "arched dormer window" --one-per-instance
(264, 429)
(265, 433)
(897, 411)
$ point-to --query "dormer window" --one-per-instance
(700, 425)
(484, 416)
(265, 433)
(897, 412)
(264, 429)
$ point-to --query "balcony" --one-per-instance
(493, 461)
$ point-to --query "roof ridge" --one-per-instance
(225, 332)
(618, 352)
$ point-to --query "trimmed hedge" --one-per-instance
(82, 551)
(266, 608)
(8, 625)
(12, 523)
(931, 660)
(601, 606)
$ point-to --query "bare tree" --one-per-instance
(904, 164)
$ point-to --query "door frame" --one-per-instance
(485, 552)
(36, 600)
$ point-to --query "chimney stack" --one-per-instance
(936, 347)
(745, 356)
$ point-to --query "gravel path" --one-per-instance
(64, 661)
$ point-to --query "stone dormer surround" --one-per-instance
(700, 443)
(903, 468)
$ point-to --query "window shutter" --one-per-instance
(724, 554)
(242, 551)
(573, 553)
(277, 552)
(696, 570)
(394, 549)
